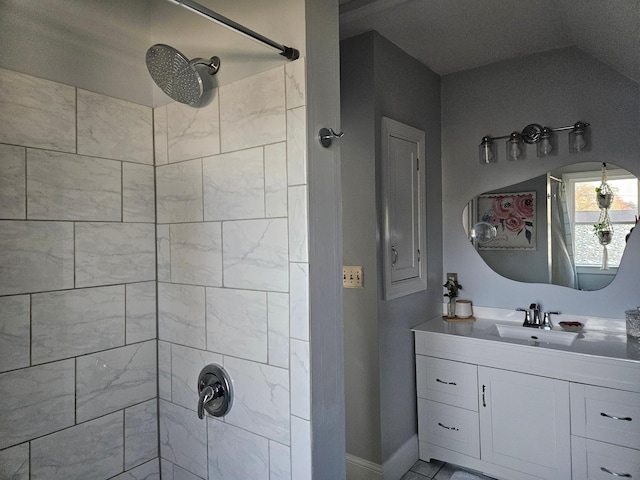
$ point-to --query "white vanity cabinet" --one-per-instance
(521, 412)
(525, 423)
(470, 414)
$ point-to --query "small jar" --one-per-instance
(633, 323)
(463, 309)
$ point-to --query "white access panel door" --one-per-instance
(403, 184)
(525, 423)
(404, 198)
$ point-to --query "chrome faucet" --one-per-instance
(535, 310)
(532, 317)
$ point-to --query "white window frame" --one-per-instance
(570, 180)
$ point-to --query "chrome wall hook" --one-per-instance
(326, 136)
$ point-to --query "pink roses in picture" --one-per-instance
(513, 215)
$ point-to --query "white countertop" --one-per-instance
(601, 337)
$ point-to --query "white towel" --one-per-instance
(462, 475)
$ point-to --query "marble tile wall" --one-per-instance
(78, 362)
(232, 243)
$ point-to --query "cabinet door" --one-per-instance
(404, 208)
(525, 423)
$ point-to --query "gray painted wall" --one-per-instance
(554, 88)
(378, 79)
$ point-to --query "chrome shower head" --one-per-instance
(178, 76)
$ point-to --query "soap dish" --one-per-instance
(571, 326)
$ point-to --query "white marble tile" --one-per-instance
(164, 370)
(237, 323)
(299, 301)
(297, 146)
(196, 253)
(183, 438)
(146, 471)
(261, 398)
(13, 194)
(112, 128)
(61, 186)
(279, 461)
(36, 112)
(234, 185)
(140, 312)
(181, 314)
(186, 364)
(166, 469)
(75, 322)
(15, 332)
(36, 401)
(256, 254)
(236, 454)
(88, 450)
(193, 132)
(275, 180)
(108, 253)
(35, 256)
(114, 379)
(160, 140)
(252, 111)
(300, 448)
(163, 249)
(14, 462)
(295, 75)
(138, 193)
(298, 224)
(141, 434)
(278, 315)
(182, 474)
(300, 379)
(179, 192)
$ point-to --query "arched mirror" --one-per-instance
(552, 228)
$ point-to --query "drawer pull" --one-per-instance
(446, 383)
(484, 401)
(626, 419)
(623, 475)
(449, 428)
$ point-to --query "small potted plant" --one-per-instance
(604, 196)
(452, 287)
(603, 231)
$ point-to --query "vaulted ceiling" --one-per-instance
(454, 35)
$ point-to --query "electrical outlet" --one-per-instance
(452, 276)
(352, 276)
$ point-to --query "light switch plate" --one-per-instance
(352, 276)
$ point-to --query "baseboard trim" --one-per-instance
(393, 469)
(361, 469)
(402, 460)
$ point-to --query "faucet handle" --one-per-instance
(546, 323)
(527, 316)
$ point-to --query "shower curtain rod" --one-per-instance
(287, 52)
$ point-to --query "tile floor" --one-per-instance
(434, 470)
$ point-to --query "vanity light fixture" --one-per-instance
(542, 137)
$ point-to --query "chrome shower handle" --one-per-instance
(206, 395)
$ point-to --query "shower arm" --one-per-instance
(287, 52)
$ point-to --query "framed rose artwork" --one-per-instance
(514, 217)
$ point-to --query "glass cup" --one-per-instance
(633, 323)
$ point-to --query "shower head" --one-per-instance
(178, 76)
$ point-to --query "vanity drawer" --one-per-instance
(449, 427)
(445, 381)
(606, 414)
(593, 460)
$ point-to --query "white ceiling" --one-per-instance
(455, 35)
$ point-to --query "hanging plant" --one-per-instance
(604, 196)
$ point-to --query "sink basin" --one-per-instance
(557, 337)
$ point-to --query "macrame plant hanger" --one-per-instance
(604, 228)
